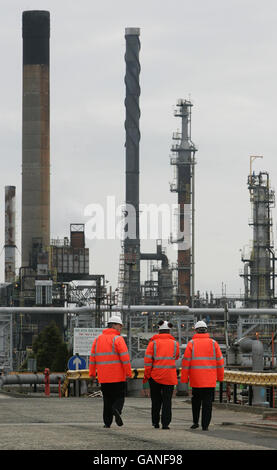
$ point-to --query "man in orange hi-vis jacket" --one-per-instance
(160, 370)
(203, 366)
(110, 360)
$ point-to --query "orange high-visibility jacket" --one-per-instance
(160, 359)
(109, 358)
(203, 363)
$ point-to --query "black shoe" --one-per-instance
(106, 426)
(205, 429)
(166, 427)
(156, 426)
(194, 426)
(117, 416)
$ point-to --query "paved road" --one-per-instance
(52, 423)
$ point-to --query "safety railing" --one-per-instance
(231, 377)
(234, 378)
(250, 378)
(83, 374)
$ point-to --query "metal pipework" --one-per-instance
(159, 256)
(165, 284)
(10, 234)
(255, 347)
(132, 245)
(35, 133)
(140, 308)
(25, 379)
(93, 309)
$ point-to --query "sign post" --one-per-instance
(83, 339)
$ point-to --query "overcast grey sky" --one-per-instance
(221, 54)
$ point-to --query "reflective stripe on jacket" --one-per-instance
(109, 358)
(160, 359)
(203, 363)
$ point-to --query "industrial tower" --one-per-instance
(132, 232)
(35, 137)
(183, 159)
(10, 240)
(45, 264)
(259, 268)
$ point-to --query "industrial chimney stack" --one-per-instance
(10, 244)
(132, 244)
(35, 136)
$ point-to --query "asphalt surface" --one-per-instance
(41, 423)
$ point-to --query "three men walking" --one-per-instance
(202, 367)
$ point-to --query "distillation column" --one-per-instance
(132, 232)
(10, 244)
(259, 270)
(35, 135)
(184, 161)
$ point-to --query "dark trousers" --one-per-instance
(161, 397)
(113, 397)
(204, 397)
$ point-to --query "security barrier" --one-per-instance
(83, 374)
(230, 377)
(250, 378)
(268, 380)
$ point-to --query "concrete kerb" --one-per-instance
(258, 410)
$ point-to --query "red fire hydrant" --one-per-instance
(47, 381)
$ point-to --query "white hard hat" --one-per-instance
(165, 325)
(200, 324)
(115, 319)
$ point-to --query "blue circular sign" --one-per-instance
(76, 363)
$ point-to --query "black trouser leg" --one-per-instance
(196, 404)
(161, 396)
(204, 397)
(107, 404)
(113, 397)
(119, 396)
(207, 404)
(156, 401)
(167, 391)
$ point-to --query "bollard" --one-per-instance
(220, 392)
(235, 393)
(47, 381)
(60, 393)
(250, 395)
(228, 392)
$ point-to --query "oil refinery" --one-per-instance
(55, 273)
